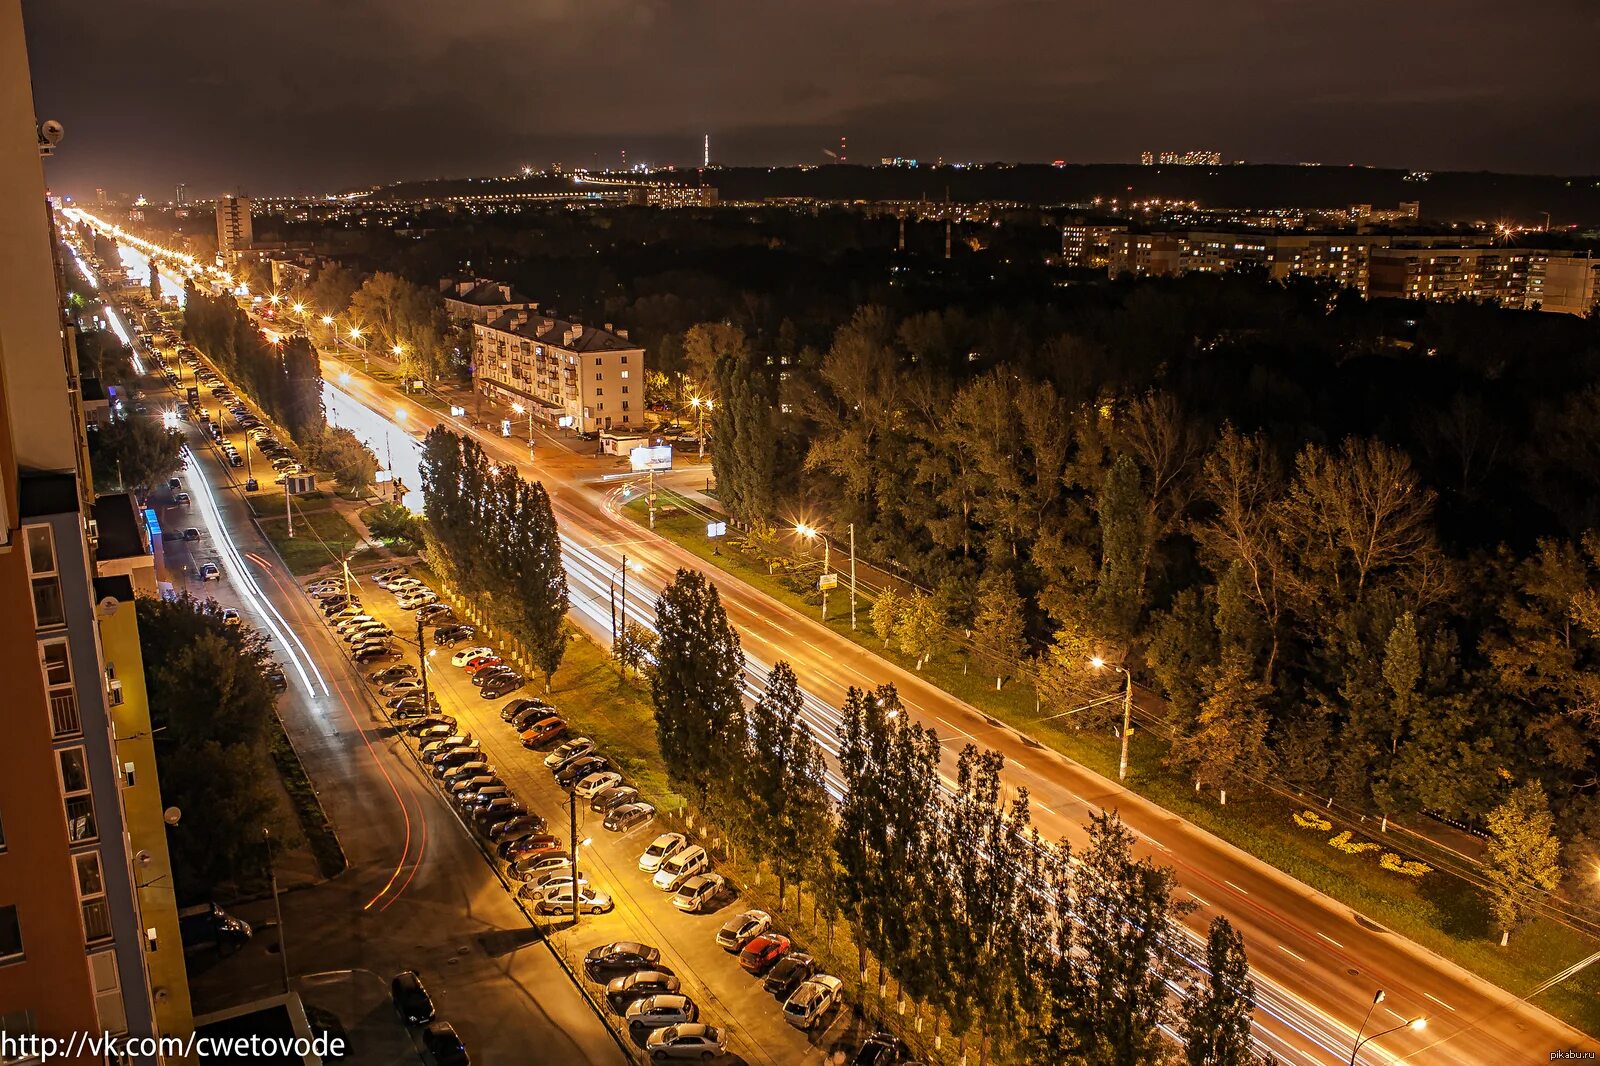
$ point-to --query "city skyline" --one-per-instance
(414, 91)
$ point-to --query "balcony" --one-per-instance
(96, 921)
(64, 719)
(81, 825)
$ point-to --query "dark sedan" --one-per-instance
(624, 956)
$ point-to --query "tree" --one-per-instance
(886, 610)
(696, 685)
(395, 523)
(539, 592)
(1064, 674)
(341, 452)
(1125, 542)
(781, 796)
(212, 709)
(1128, 941)
(1523, 858)
(998, 629)
(744, 440)
(1228, 744)
(134, 453)
(636, 648)
(706, 344)
(920, 629)
(1243, 481)
(1216, 1019)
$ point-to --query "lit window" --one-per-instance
(81, 825)
(48, 609)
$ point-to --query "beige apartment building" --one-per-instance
(234, 231)
(567, 374)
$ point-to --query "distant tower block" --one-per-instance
(705, 160)
(842, 154)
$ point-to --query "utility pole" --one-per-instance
(1127, 724)
(572, 812)
(277, 905)
(826, 555)
(422, 659)
(852, 576)
(287, 513)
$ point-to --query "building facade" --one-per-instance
(479, 299)
(73, 941)
(566, 374)
(234, 230)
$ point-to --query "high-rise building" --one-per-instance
(233, 226)
(181, 197)
(74, 945)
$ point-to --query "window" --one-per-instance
(624, 363)
(10, 934)
(624, 407)
(599, 376)
(53, 660)
(599, 407)
(624, 373)
(16, 1023)
(624, 390)
(597, 360)
(81, 825)
(599, 392)
(48, 610)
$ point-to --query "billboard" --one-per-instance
(647, 458)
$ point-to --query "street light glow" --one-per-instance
(299, 309)
(355, 331)
(805, 530)
(327, 320)
(1418, 1024)
(1097, 662)
(397, 349)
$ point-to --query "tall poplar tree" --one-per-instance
(1216, 1015)
(696, 686)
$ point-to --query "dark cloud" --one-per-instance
(314, 94)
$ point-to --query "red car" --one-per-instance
(483, 662)
(539, 734)
(762, 952)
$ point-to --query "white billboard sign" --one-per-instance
(647, 458)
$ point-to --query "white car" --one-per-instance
(462, 658)
(230, 616)
(401, 585)
(210, 572)
(743, 928)
(688, 1041)
(549, 882)
(699, 892)
(414, 600)
(682, 866)
(596, 783)
(814, 998)
(570, 750)
(663, 1008)
(559, 901)
(661, 848)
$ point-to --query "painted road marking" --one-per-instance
(1329, 939)
(952, 725)
(1200, 901)
(1441, 1002)
(1235, 887)
(1292, 954)
(779, 628)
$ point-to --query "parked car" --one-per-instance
(230, 616)
(576, 747)
(435, 749)
(538, 887)
(485, 796)
(181, 499)
(413, 698)
(502, 685)
(408, 708)
(691, 1040)
(739, 930)
(762, 952)
(470, 768)
(466, 655)
(628, 815)
(880, 1049)
(191, 533)
(560, 901)
(661, 847)
(373, 653)
(392, 673)
(431, 723)
(468, 785)
(515, 710)
(699, 893)
(682, 866)
(528, 860)
(443, 1045)
(621, 991)
(607, 800)
(790, 971)
(623, 956)
(581, 768)
(482, 677)
(210, 572)
(542, 733)
(411, 999)
(498, 812)
(482, 662)
(815, 997)
(401, 686)
(595, 783)
(524, 821)
(433, 611)
(662, 1009)
(455, 758)
(454, 634)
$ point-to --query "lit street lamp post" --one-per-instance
(1127, 712)
(616, 627)
(521, 410)
(1415, 1025)
(810, 532)
(701, 407)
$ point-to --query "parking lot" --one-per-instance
(726, 996)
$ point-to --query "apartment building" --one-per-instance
(74, 945)
(566, 373)
(479, 299)
(1088, 245)
(1566, 282)
(234, 230)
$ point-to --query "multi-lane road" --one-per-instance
(1316, 963)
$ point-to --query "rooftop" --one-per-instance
(558, 333)
(122, 529)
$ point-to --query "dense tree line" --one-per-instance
(953, 897)
(284, 379)
(1347, 541)
(212, 711)
(493, 536)
(134, 453)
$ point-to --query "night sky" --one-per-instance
(315, 95)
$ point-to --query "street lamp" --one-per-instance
(810, 532)
(616, 627)
(519, 409)
(1416, 1025)
(701, 407)
(1127, 712)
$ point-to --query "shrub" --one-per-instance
(1351, 847)
(1309, 819)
